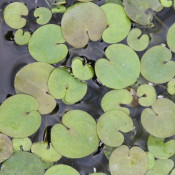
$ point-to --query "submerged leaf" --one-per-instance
(22, 38)
(22, 144)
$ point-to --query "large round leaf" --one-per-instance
(77, 136)
(81, 22)
(23, 144)
(46, 44)
(19, 117)
(33, 80)
(122, 69)
(171, 38)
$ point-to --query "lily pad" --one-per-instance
(147, 95)
(22, 144)
(22, 163)
(61, 169)
(171, 38)
(85, 0)
(119, 2)
(13, 15)
(161, 149)
(62, 85)
(33, 80)
(111, 125)
(80, 71)
(97, 174)
(22, 38)
(43, 15)
(118, 23)
(171, 87)
(19, 117)
(159, 120)
(151, 160)
(173, 172)
(156, 65)
(78, 29)
(122, 69)
(139, 10)
(166, 3)
(136, 41)
(46, 44)
(114, 98)
(77, 136)
(59, 9)
(6, 148)
(46, 152)
(128, 162)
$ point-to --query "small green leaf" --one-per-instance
(59, 9)
(22, 38)
(151, 160)
(171, 87)
(166, 3)
(22, 144)
(171, 38)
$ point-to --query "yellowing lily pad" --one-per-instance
(122, 69)
(111, 125)
(23, 144)
(19, 117)
(159, 120)
(22, 38)
(13, 15)
(171, 38)
(128, 162)
(118, 23)
(76, 137)
(46, 44)
(166, 3)
(62, 85)
(171, 87)
(79, 29)
(33, 80)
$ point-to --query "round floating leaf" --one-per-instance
(161, 149)
(77, 136)
(156, 65)
(43, 15)
(6, 148)
(151, 160)
(147, 95)
(136, 42)
(59, 9)
(62, 85)
(45, 151)
(19, 117)
(171, 87)
(33, 80)
(171, 38)
(22, 38)
(160, 120)
(46, 45)
(118, 23)
(122, 69)
(97, 174)
(13, 15)
(80, 71)
(22, 144)
(139, 10)
(78, 29)
(166, 3)
(119, 2)
(111, 124)
(22, 163)
(161, 167)
(128, 162)
(61, 169)
(113, 99)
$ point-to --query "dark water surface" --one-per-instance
(14, 57)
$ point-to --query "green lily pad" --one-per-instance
(156, 65)
(77, 136)
(161, 167)
(33, 80)
(46, 44)
(171, 87)
(173, 172)
(118, 23)
(171, 38)
(111, 125)
(136, 42)
(161, 149)
(62, 170)
(159, 120)
(47, 165)
(119, 2)
(122, 69)
(97, 174)
(62, 85)
(128, 162)
(147, 95)
(6, 148)
(80, 71)
(59, 9)
(78, 29)
(45, 152)
(13, 15)
(138, 10)
(166, 3)
(22, 163)
(114, 98)
(151, 160)
(19, 117)
(24, 144)
(43, 15)
(22, 38)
